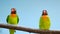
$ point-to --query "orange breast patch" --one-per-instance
(13, 15)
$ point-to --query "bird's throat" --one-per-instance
(13, 15)
(44, 16)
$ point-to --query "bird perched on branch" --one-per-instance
(12, 19)
(44, 23)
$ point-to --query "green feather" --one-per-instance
(7, 18)
(44, 24)
(13, 21)
(17, 19)
(12, 31)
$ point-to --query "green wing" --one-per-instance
(17, 19)
(40, 23)
(7, 18)
(49, 21)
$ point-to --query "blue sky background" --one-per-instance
(29, 12)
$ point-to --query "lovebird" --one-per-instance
(12, 19)
(44, 22)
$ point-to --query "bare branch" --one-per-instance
(28, 29)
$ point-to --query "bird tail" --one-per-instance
(11, 31)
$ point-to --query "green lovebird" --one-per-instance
(12, 19)
(44, 22)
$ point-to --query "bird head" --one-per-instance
(13, 11)
(44, 12)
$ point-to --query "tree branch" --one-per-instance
(8, 26)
